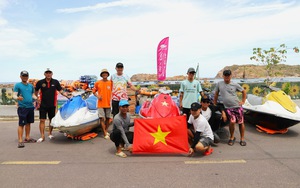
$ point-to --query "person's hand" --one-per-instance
(129, 148)
(241, 103)
(191, 152)
(20, 98)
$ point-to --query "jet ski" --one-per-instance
(77, 116)
(275, 111)
(161, 106)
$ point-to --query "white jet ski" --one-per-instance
(276, 111)
(77, 116)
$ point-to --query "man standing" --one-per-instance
(233, 107)
(24, 94)
(119, 91)
(47, 89)
(189, 90)
(102, 91)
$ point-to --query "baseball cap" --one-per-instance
(48, 70)
(191, 70)
(119, 65)
(204, 99)
(103, 71)
(123, 103)
(24, 73)
(227, 72)
(195, 106)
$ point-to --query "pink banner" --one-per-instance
(162, 56)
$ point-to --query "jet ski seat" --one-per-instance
(254, 100)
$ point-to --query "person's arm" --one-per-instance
(65, 94)
(123, 135)
(196, 139)
(216, 97)
(244, 95)
(180, 99)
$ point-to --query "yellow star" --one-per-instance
(160, 136)
(164, 103)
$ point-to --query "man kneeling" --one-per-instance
(202, 135)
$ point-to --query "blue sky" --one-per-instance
(79, 37)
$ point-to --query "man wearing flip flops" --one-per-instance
(233, 107)
(24, 94)
(47, 89)
(121, 135)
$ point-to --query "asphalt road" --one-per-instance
(266, 161)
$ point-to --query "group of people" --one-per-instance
(202, 121)
(113, 99)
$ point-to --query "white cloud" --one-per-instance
(129, 31)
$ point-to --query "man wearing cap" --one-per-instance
(202, 134)
(233, 106)
(47, 90)
(102, 90)
(24, 94)
(121, 135)
(214, 119)
(119, 91)
(189, 90)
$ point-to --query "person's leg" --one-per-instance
(42, 129)
(115, 107)
(242, 130)
(107, 118)
(20, 133)
(27, 131)
(116, 137)
(30, 119)
(51, 114)
(103, 126)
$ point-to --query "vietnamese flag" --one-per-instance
(160, 135)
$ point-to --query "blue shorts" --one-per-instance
(26, 115)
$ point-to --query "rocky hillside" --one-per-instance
(250, 71)
(259, 71)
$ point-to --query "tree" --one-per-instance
(271, 57)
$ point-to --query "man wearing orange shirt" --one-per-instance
(102, 90)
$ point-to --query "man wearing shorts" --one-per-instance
(24, 94)
(47, 89)
(233, 106)
(102, 90)
(202, 135)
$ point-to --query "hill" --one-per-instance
(250, 71)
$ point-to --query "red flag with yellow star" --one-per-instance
(160, 135)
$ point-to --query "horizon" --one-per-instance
(82, 37)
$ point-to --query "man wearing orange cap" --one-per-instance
(102, 90)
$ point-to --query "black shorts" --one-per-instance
(47, 110)
(26, 115)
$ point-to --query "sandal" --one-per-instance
(243, 143)
(231, 142)
(30, 140)
(51, 137)
(21, 145)
(208, 152)
(121, 154)
(40, 140)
